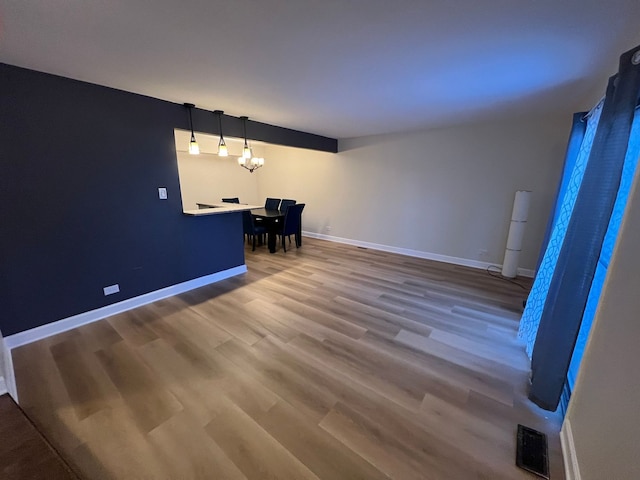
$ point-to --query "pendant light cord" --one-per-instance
(220, 126)
(244, 127)
(191, 122)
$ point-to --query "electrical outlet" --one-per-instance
(162, 193)
(111, 289)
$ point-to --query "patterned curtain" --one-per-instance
(567, 199)
(576, 137)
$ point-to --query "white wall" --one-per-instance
(307, 176)
(207, 178)
(445, 192)
(604, 412)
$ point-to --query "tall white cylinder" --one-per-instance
(519, 216)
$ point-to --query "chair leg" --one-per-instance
(254, 244)
(284, 244)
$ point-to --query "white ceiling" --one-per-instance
(339, 68)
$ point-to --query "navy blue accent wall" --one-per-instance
(80, 166)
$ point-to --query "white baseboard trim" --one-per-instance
(571, 467)
(38, 333)
(525, 272)
(7, 377)
(10, 378)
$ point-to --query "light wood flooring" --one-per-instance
(327, 362)
(24, 452)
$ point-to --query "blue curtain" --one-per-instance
(575, 165)
(578, 129)
(628, 174)
(577, 262)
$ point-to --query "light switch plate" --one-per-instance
(162, 193)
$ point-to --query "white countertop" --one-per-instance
(218, 208)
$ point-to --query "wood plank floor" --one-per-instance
(327, 362)
(24, 452)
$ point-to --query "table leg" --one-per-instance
(271, 240)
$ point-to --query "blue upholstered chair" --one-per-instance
(272, 204)
(251, 230)
(286, 203)
(292, 224)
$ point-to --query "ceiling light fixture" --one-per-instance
(223, 151)
(247, 160)
(251, 165)
(193, 145)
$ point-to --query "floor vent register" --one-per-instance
(532, 451)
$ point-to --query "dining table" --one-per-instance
(272, 220)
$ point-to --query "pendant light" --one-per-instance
(246, 151)
(247, 160)
(193, 145)
(222, 146)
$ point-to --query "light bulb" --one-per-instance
(246, 152)
(242, 161)
(261, 161)
(223, 151)
(194, 149)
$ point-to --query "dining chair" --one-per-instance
(272, 203)
(231, 200)
(286, 203)
(284, 206)
(250, 229)
(292, 223)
